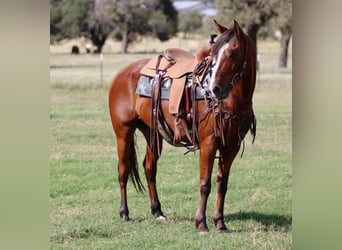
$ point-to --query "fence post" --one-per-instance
(101, 68)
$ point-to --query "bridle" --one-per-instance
(239, 74)
(221, 115)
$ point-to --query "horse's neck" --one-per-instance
(240, 99)
(242, 94)
(245, 89)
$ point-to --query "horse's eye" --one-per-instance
(233, 54)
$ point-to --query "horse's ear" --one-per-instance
(220, 28)
(237, 29)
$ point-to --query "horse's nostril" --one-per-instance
(216, 90)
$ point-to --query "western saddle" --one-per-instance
(176, 64)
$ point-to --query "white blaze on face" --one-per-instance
(216, 66)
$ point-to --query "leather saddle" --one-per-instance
(175, 64)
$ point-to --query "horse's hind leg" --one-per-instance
(125, 148)
(150, 166)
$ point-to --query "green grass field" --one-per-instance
(84, 192)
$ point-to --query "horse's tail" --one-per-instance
(134, 173)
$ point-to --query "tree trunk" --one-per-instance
(284, 45)
(98, 49)
(124, 44)
(98, 38)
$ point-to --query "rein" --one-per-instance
(243, 123)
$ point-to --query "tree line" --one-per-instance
(129, 19)
(123, 20)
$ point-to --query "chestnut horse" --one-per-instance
(223, 118)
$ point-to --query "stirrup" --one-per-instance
(191, 148)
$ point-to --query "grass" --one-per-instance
(84, 193)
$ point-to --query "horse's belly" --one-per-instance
(143, 109)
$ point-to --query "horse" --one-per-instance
(75, 50)
(221, 120)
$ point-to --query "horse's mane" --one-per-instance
(222, 40)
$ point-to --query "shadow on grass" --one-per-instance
(269, 221)
(82, 233)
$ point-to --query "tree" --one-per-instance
(256, 14)
(55, 18)
(251, 14)
(98, 19)
(166, 6)
(98, 37)
(283, 23)
(127, 19)
(159, 25)
(189, 22)
(67, 17)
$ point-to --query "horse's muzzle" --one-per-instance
(221, 93)
(216, 91)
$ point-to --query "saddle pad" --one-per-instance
(144, 88)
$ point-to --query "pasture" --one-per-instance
(84, 192)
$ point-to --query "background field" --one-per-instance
(84, 193)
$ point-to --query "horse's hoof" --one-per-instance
(124, 218)
(223, 230)
(161, 218)
(203, 232)
(221, 227)
(202, 229)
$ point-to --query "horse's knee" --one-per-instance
(221, 184)
(205, 188)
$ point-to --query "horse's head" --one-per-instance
(228, 59)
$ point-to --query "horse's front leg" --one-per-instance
(225, 162)
(207, 157)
